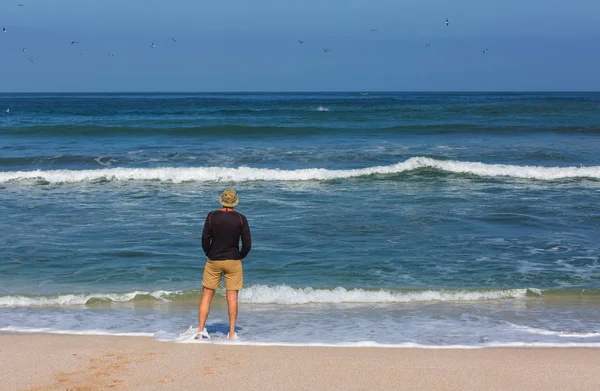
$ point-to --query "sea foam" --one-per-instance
(279, 294)
(564, 334)
(171, 337)
(283, 294)
(78, 299)
(243, 173)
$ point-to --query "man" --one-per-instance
(221, 236)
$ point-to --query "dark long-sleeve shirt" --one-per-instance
(222, 233)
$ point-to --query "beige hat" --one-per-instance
(229, 198)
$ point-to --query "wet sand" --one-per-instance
(40, 362)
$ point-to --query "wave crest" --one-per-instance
(564, 334)
(244, 174)
(79, 299)
(265, 294)
(283, 294)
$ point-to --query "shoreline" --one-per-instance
(350, 345)
(39, 362)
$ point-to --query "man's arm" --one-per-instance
(206, 235)
(246, 238)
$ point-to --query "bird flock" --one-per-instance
(152, 45)
(76, 42)
(374, 30)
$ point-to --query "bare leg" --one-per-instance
(204, 308)
(232, 307)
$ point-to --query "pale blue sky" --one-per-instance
(240, 45)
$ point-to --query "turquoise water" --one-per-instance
(428, 219)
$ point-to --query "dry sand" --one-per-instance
(63, 362)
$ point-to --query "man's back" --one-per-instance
(221, 235)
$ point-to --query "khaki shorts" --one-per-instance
(232, 269)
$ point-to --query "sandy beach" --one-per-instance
(66, 362)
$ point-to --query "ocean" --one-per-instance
(378, 219)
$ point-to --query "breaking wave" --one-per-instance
(280, 294)
(283, 294)
(80, 299)
(564, 334)
(243, 174)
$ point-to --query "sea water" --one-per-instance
(390, 219)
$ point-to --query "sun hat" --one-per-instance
(229, 198)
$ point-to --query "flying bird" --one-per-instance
(153, 45)
(81, 53)
(373, 30)
(7, 110)
(23, 49)
(111, 54)
(174, 40)
(31, 59)
(326, 50)
(427, 45)
(20, 5)
(74, 42)
(484, 51)
(446, 22)
(3, 29)
(301, 41)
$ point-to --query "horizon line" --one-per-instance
(310, 92)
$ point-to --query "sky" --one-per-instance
(242, 45)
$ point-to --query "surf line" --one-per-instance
(244, 174)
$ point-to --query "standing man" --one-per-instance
(221, 236)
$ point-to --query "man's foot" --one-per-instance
(202, 334)
(189, 333)
(230, 337)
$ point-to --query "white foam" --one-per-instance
(280, 294)
(283, 294)
(242, 174)
(360, 344)
(406, 345)
(12, 329)
(536, 291)
(565, 334)
(105, 161)
(76, 299)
